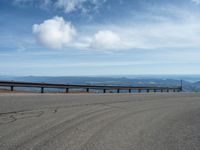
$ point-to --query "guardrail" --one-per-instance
(42, 86)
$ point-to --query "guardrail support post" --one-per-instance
(147, 90)
(129, 90)
(12, 88)
(118, 91)
(181, 89)
(154, 90)
(167, 90)
(87, 90)
(174, 90)
(67, 90)
(139, 91)
(161, 90)
(42, 89)
(104, 90)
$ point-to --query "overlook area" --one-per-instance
(100, 121)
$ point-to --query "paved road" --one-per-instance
(100, 122)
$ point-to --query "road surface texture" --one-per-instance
(160, 121)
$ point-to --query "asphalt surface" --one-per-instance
(168, 121)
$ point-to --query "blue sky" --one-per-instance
(99, 37)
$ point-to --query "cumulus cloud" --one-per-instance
(105, 39)
(165, 33)
(54, 33)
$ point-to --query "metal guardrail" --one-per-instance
(13, 84)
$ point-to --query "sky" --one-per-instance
(99, 37)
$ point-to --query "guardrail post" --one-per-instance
(139, 90)
(104, 90)
(147, 90)
(12, 88)
(161, 90)
(174, 90)
(129, 90)
(118, 91)
(154, 90)
(181, 88)
(42, 89)
(67, 90)
(167, 90)
(87, 90)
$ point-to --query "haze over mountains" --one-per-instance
(191, 83)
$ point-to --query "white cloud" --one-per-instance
(184, 32)
(164, 35)
(74, 5)
(67, 6)
(180, 30)
(54, 33)
(196, 1)
(106, 39)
